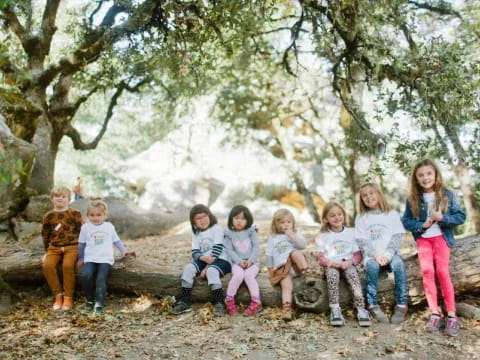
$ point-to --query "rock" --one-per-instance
(36, 208)
(26, 231)
(130, 221)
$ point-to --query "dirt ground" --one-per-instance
(139, 327)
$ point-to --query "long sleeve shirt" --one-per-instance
(242, 245)
(97, 241)
(279, 247)
(209, 243)
(61, 228)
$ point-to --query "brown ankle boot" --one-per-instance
(287, 312)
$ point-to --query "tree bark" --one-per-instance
(134, 276)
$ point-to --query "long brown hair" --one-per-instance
(382, 200)
(415, 192)
(326, 209)
(279, 215)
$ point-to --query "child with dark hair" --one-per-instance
(241, 242)
(209, 259)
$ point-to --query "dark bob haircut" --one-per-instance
(237, 210)
(201, 209)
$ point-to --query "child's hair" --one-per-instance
(98, 204)
(416, 191)
(237, 210)
(58, 190)
(201, 209)
(382, 200)
(326, 209)
(279, 215)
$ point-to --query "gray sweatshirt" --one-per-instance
(242, 245)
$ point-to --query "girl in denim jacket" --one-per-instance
(431, 213)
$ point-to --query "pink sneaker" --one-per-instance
(253, 308)
(231, 307)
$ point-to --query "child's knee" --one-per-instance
(372, 267)
(397, 263)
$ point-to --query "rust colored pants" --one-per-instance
(68, 256)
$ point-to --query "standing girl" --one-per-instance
(241, 242)
(209, 259)
(95, 255)
(379, 231)
(431, 214)
(284, 258)
(338, 253)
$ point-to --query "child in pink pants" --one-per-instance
(241, 243)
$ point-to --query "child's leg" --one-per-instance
(188, 276)
(88, 284)
(101, 283)
(299, 259)
(52, 258)
(287, 287)
(441, 256)
(252, 284)
(425, 258)
(333, 279)
(70, 254)
(400, 274)
(238, 275)
(353, 280)
(371, 281)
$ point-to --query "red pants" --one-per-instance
(434, 257)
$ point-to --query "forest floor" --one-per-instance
(139, 327)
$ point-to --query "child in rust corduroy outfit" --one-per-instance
(60, 231)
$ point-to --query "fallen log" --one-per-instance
(135, 276)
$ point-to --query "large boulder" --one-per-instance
(130, 221)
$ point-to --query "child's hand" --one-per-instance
(436, 216)
(291, 235)
(427, 223)
(345, 264)
(249, 263)
(243, 264)
(129, 253)
(79, 264)
(208, 259)
(204, 272)
(43, 258)
(382, 260)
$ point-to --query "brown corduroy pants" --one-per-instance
(68, 256)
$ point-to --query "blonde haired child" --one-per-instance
(338, 253)
(379, 231)
(431, 213)
(60, 230)
(284, 258)
(95, 255)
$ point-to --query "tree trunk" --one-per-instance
(308, 198)
(467, 187)
(135, 276)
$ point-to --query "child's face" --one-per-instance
(201, 221)
(239, 222)
(96, 215)
(285, 224)
(335, 218)
(426, 177)
(369, 197)
(60, 201)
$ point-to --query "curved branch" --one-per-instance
(48, 28)
(442, 10)
(11, 19)
(73, 133)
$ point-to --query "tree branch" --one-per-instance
(442, 10)
(73, 133)
(48, 27)
(11, 20)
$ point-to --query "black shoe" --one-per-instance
(88, 308)
(180, 308)
(219, 310)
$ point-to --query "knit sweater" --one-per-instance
(61, 228)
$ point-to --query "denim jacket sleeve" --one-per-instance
(410, 223)
(455, 215)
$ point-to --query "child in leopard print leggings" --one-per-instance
(338, 253)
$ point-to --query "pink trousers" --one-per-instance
(434, 257)
(240, 275)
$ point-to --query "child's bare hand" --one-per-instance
(249, 263)
(208, 259)
(203, 273)
(291, 234)
(43, 258)
(243, 264)
(382, 260)
(79, 264)
(427, 223)
(345, 264)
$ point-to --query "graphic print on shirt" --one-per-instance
(376, 232)
(99, 238)
(283, 246)
(206, 245)
(243, 246)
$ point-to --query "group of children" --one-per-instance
(431, 214)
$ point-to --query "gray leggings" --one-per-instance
(190, 272)
(333, 282)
